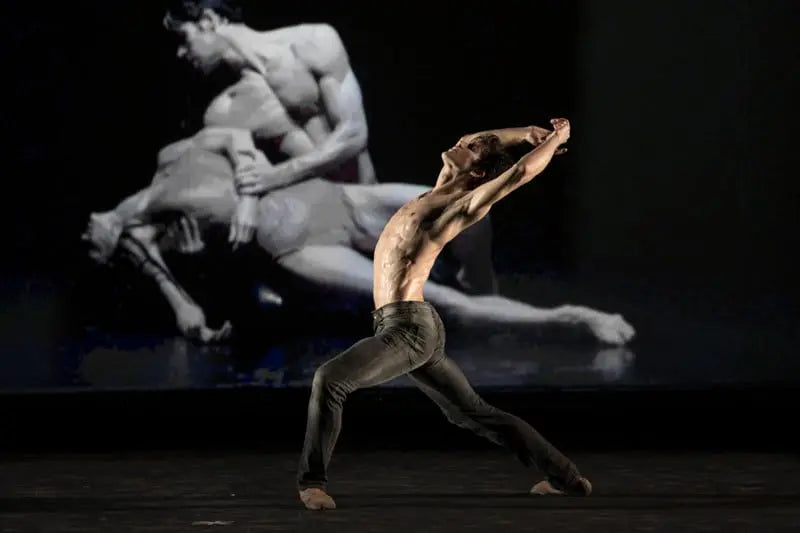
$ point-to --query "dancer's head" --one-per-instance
(197, 24)
(475, 161)
(180, 11)
(102, 235)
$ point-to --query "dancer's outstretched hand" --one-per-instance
(537, 136)
(562, 129)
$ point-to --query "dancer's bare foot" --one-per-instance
(611, 329)
(316, 499)
(545, 488)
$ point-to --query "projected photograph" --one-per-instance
(202, 190)
(244, 163)
(277, 183)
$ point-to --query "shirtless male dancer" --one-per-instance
(409, 335)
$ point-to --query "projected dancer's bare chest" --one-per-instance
(295, 87)
(246, 106)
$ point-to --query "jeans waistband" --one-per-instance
(403, 310)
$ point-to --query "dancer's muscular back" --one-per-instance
(470, 182)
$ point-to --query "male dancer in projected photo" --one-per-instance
(409, 335)
(294, 89)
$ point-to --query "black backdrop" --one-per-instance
(677, 205)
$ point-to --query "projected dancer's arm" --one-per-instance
(238, 145)
(141, 245)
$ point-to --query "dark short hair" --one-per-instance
(492, 159)
(180, 11)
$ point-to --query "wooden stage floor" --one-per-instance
(395, 491)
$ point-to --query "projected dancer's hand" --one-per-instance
(185, 235)
(192, 323)
(260, 179)
(247, 176)
(244, 221)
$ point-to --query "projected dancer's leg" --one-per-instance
(341, 268)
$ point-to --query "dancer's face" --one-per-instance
(201, 45)
(467, 157)
(461, 158)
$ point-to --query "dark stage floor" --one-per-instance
(396, 491)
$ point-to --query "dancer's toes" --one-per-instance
(611, 329)
(316, 499)
(544, 488)
(581, 487)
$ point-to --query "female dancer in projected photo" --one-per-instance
(321, 232)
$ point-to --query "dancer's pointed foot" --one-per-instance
(316, 499)
(581, 487)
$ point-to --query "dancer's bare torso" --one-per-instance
(200, 183)
(292, 83)
(412, 240)
(195, 181)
